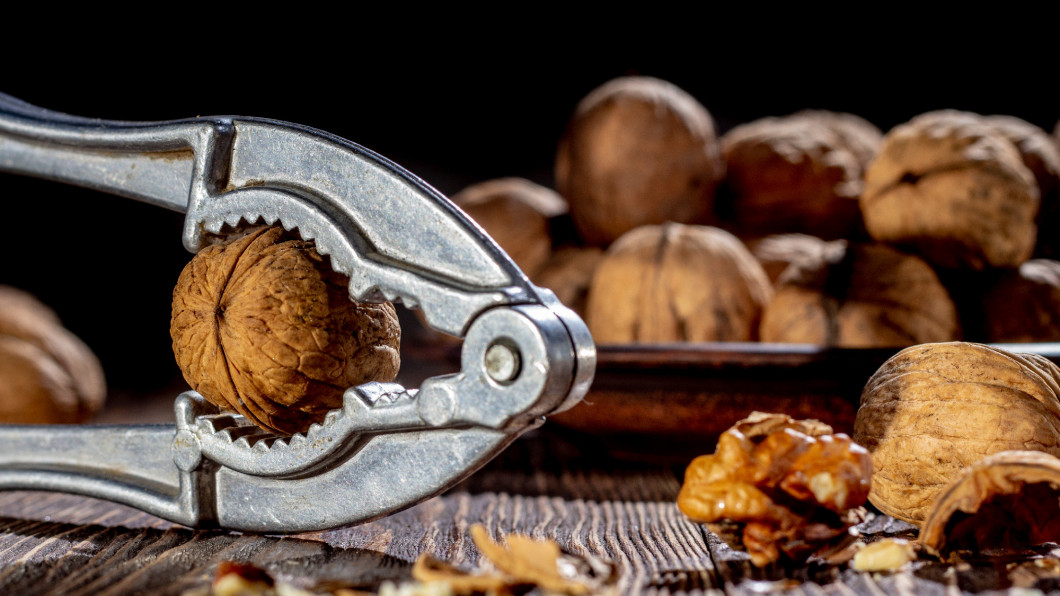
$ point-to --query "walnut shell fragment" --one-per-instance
(1009, 500)
(860, 296)
(675, 283)
(799, 173)
(953, 189)
(515, 212)
(791, 487)
(932, 409)
(47, 374)
(637, 151)
(264, 327)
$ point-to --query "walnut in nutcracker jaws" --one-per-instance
(933, 409)
(674, 283)
(637, 151)
(789, 488)
(952, 188)
(262, 326)
(47, 374)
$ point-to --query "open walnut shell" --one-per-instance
(1009, 500)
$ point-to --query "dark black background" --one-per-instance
(455, 105)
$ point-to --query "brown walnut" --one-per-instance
(933, 409)
(47, 374)
(568, 273)
(800, 173)
(264, 327)
(515, 212)
(1023, 305)
(778, 251)
(637, 151)
(782, 487)
(859, 296)
(1006, 501)
(952, 188)
(1041, 155)
(676, 283)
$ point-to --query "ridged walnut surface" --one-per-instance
(860, 296)
(262, 326)
(675, 283)
(934, 409)
(47, 374)
(637, 151)
(955, 190)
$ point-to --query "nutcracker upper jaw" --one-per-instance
(524, 356)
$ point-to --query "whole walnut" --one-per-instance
(569, 273)
(1023, 305)
(1041, 155)
(264, 327)
(777, 252)
(47, 374)
(933, 409)
(860, 295)
(637, 151)
(677, 283)
(953, 189)
(799, 173)
(516, 213)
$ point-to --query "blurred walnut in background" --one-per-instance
(674, 283)
(637, 151)
(953, 189)
(515, 212)
(569, 273)
(800, 173)
(47, 374)
(860, 296)
(1023, 305)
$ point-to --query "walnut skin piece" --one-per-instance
(932, 409)
(1008, 500)
(49, 376)
(860, 296)
(800, 173)
(792, 488)
(515, 212)
(1023, 305)
(1041, 155)
(637, 151)
(954, 190)
(675, 283)
(262, 326)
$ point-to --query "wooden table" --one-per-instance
(545, 485)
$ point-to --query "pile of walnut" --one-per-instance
(47, 374)
(660, 230)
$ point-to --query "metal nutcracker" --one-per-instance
(524, 354)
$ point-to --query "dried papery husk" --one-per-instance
(861, 295)
(677, 283)
(799, 173)
(1023, 305)
(1009, 500)
(59, 380)
(637, 151)
(933, 408)
(263, 326)
(954, 190)
(527, 561)
(516, 213)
